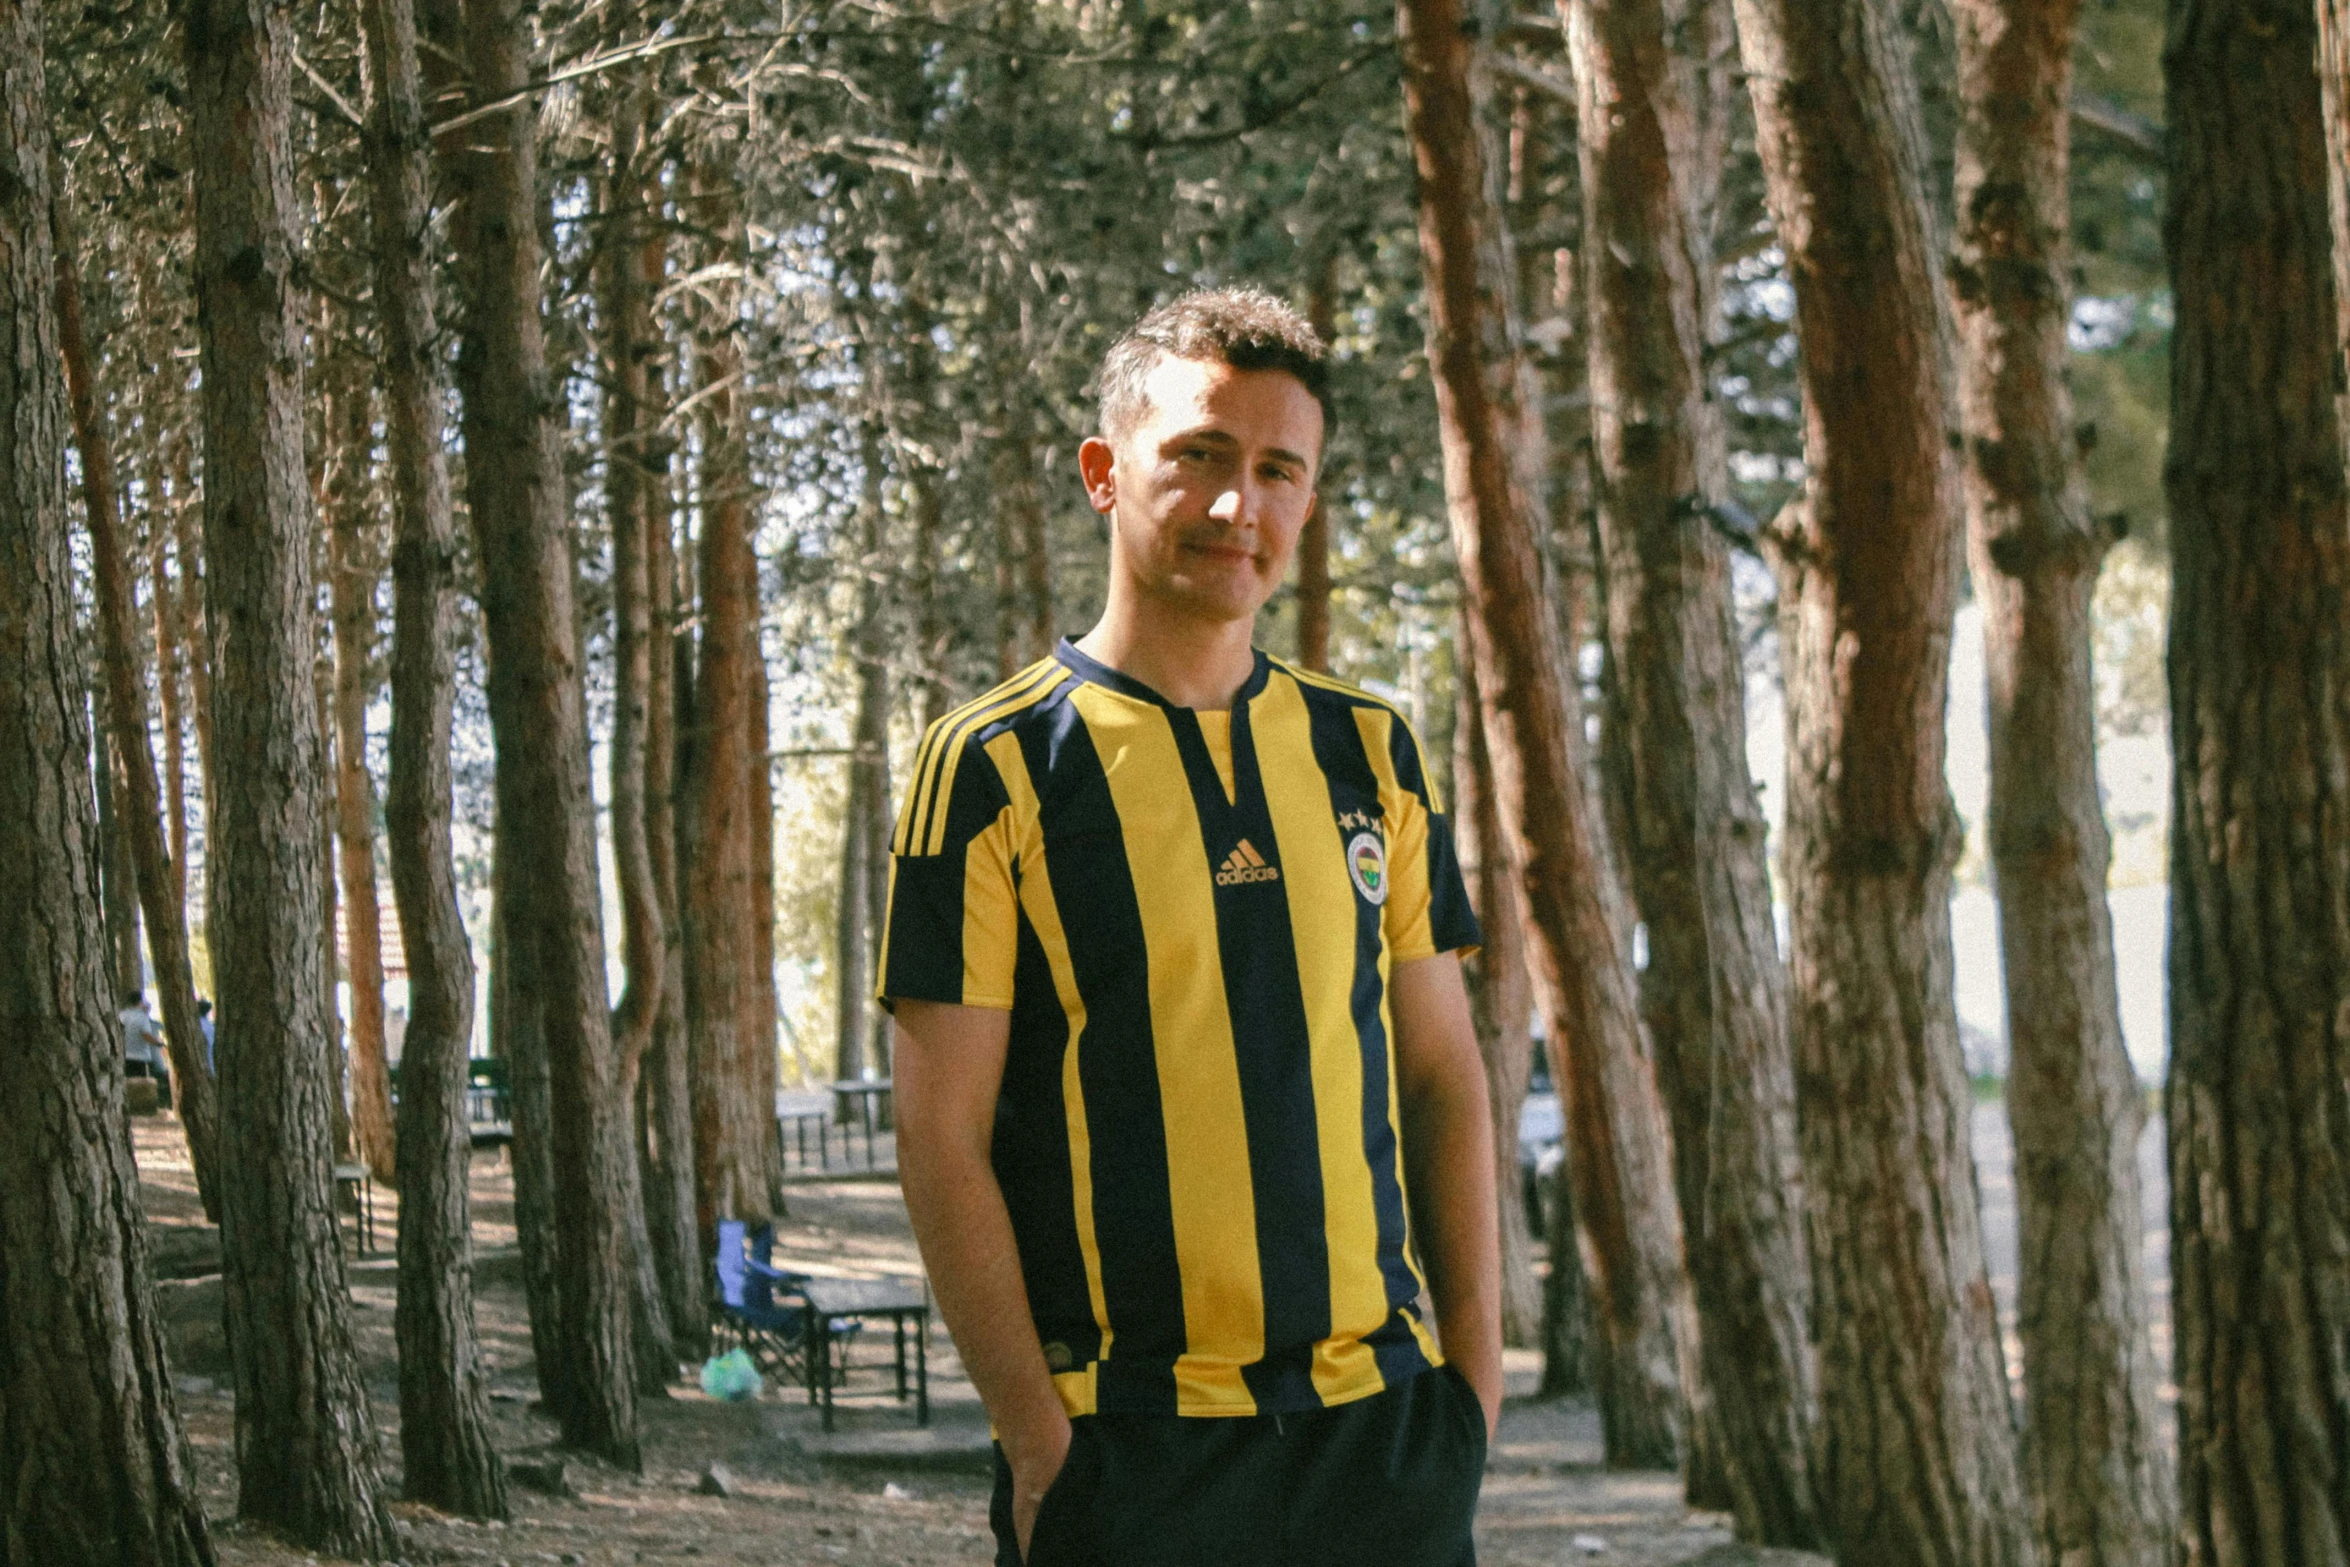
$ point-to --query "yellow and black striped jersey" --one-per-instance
(1191, 917)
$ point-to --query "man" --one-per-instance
(142, 1045)
(1173, 954)
(204, 1022)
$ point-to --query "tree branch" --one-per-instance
(2133, 133)
(587, 67)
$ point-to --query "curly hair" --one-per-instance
(1246, 328)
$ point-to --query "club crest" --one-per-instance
(1366, 863)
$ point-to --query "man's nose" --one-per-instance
(1238, 504)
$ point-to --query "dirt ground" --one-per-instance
(877, 1493)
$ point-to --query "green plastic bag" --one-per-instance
(731, 1376)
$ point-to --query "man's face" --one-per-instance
(1207, 492)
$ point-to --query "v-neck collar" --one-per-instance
(1224, 819)
(1101, 674)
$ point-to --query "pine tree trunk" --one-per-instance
(306, 1442)
(354, 568)
(1500, 994)
(1920, 1463)
(624, 310)
(94, 1467)
(546, 806)
(1618, 1154)
(330, 958)
(1024, 569)
(666, 1110)
(733, 1126)
(2259, 1092)
(2100, 1485)
(118, 881)
(171, 691)
(929, 442)
(187, 525)
(446, 1446)
(139, 807)
(864, 894)
(1713, 994)
(1567, 1346)
(518, 1035)
(2333, 71)
(763, 1021)
(1313, 540)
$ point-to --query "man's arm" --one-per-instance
(1448, 1159)
(947, 1069)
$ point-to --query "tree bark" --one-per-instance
(1313, 540)
(353, 570)
(171, 691)
(138, 814)
(732, 1123)
(446, 1446)
(118, 878)
(1920, 1461)
(759, 887)
(1618, 1154)
(187, 527)
(2100, 1486)
(518, 1036)
(2333, 71)
(330, 958)
(1024, 580)
(920, 441)
(1566, 1300)
(624, 308)
(864, 873)
(2259, 1091)
(1713, 994)
(553, 903)
(1500, 994)
(94, 1465)
(666, 1110)
(306, 1442)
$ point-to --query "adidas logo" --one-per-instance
(1244, 864)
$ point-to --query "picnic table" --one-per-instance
(836, 1304)
(854, 1103)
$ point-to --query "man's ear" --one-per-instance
(1097, 462)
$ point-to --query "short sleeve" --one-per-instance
(952, 930)
(1427, 909)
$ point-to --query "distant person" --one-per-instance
(142, 1045)
(204, 1022)
(1173, 950)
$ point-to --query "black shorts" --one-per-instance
(1391, 1480)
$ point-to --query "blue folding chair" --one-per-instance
(823, 1358)
(760, 1304)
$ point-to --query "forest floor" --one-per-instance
(877, 1495)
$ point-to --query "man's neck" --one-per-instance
(1191, 663)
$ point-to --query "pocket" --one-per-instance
(1060, 1512)
(1469, 1408)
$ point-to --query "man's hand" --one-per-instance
(948, 1067)
(1448, 1159)
(1036, 1455)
